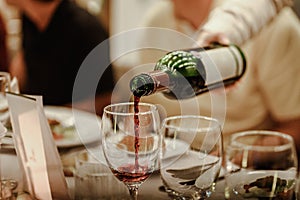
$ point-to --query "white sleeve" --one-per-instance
(239, 20)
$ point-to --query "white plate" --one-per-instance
(174, 147)
(87, 125)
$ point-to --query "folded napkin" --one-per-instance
(14, 86)
(195, 168)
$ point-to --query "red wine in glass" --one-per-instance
(130, 174)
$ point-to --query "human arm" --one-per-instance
(238, 20)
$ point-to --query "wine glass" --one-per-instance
(4, 87)
(130, 141)
(260, 165)
(191, 156)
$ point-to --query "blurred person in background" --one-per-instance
(3, 47)
(57, 35)
(267, 96)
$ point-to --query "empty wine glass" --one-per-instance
(191, 156)
(260, 165)
(130, 141)
(4, 87)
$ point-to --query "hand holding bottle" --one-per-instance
(206, 38)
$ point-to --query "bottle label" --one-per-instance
(221, 63)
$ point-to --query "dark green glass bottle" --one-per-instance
(186, 73)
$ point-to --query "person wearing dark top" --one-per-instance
(3, 47)
(57, 37)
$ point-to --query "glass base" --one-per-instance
(200, 195)
(7, 187)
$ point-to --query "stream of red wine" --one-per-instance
(136, 131)
(134, 172)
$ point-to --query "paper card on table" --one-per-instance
(34, 154)
(36, 148)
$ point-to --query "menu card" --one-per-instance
(36, 149)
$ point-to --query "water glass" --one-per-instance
(94, 180)
(7, 185)
(261, 165)
(191, 156)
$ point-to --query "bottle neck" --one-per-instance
(148, 83)
(160, 79)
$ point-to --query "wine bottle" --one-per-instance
(185, 73)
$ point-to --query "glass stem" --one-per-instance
(133, 191)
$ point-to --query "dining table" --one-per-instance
(151, 189)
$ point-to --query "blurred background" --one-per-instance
(115, 15)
